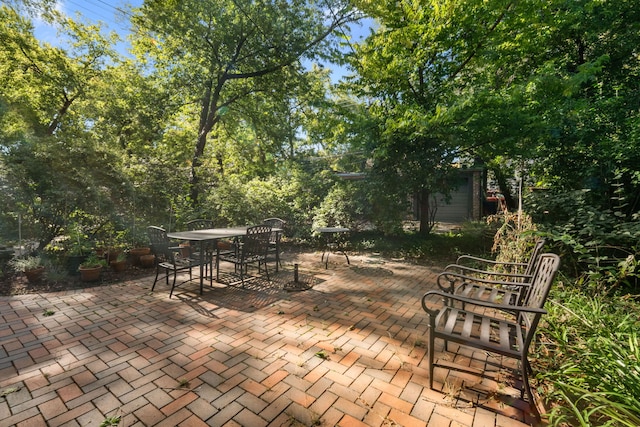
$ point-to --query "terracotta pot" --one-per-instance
(147, 261)
(90, 274)
(118, 266)
(35, 274)
(112, 254)
(136, 253)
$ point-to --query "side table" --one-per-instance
(332, 239)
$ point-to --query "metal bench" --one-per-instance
(483, 324)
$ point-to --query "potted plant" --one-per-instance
(120, 263)
(139, 248)
(75, 247)
(116, 244)
(31, 266)
(91, 268)
(147, 261)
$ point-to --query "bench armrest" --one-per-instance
(464, 268)
(481, 303)
(469, 258)
(446, 280)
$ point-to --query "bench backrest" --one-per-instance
(544, 275)
(534, 257)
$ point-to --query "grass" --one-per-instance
(111, 421)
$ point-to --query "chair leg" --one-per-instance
(173, 285)
(156, 279)
(431, 351)
(527, 387)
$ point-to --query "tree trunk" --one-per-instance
(196, 162)
(504, 188)
(208, 118)
(426, 210)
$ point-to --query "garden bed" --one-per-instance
(17, 284)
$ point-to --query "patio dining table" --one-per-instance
(205, 236)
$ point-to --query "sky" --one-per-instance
(113, 14)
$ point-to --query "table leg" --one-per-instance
(332, 243)
(201, 266)
(277, 251)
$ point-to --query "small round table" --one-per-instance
(332, 242)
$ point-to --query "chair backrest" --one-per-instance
(275, 223)
(256, 242)
(160, 243)
(199, 224)
(545, 273)
(533, 258)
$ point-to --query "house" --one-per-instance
(465, 202)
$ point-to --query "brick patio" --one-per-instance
(347, 352)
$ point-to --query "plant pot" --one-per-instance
(35, 274)
(136, 253)
(118, 266)
(224, 245)
(147, 261)
(113, 254)
(90, 274)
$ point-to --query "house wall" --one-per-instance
(465, 202)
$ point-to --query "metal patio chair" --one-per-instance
(275, 238)
(494, 286)
(252, 250)
(168, 257)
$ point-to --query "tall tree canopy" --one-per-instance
(548, 86)
(414, 67)
(220, 52)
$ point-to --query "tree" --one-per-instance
(51, 162)
(413, 68)
(217, 52)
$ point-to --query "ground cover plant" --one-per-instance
(589, 358)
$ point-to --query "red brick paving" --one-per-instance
(348, 352)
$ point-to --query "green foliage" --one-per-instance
(473, 238)
(601, 245)
(589, 356)
(111, 421)
(26, 263)
(236, 202)
(221, 56)
(514, 237)
(93, 260)
(346, 205)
